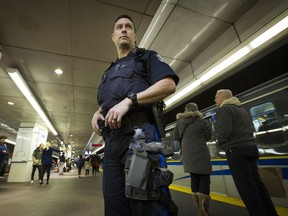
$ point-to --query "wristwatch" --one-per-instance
(133, 97)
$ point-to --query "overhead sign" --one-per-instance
(97, 144)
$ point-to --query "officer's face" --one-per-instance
(124, 35)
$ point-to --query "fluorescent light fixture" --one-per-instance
(23, 87)
(235, 55)
(98, 149)
(270, 33)
(157, 22)
(10, 142)
(178, 95)
(225, 63)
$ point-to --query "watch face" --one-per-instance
(133, 97)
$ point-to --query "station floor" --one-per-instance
(70, 195)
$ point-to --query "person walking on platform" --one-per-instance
(129, 87)
(47, 161)
(234, 132)
(36, 160)
(192, 131)
(62, 160)
(3, 154)
(95, 164)
(80, 163)
(87, 166)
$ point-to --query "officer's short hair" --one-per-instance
(127, 17)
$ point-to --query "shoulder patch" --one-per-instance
(160, 58)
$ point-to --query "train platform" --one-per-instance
(70, 195)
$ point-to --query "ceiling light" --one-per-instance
(10, 103)
(157, 22)
(7, 127)
(58, 71)
(178, 95)
(10, 142)
(267, 35)
(21, 84)
(225, 63)
(222, 66)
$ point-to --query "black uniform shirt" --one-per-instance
(132, 74)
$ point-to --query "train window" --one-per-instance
(270, 134)
(212, 145)
(263, 114)
(176, 146)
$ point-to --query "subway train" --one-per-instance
(268, 108)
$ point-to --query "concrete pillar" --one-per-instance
(29, 136)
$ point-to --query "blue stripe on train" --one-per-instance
(262, 162)
(228, 172)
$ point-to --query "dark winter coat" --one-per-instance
(234, 126)
(47, 155)
(80, 163)
(194, 150)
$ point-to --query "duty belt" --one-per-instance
(134, 119)
(129, 122)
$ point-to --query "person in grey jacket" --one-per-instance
(193, 131)
(234, 132)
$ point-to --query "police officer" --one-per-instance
(129, 86)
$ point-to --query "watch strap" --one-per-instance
(133, 97)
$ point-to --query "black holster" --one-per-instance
(143, 175)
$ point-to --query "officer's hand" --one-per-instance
(96, 117)
(115, 114)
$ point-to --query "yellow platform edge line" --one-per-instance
(226, 199)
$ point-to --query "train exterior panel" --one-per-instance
(268, 108)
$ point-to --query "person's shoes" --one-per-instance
(39, 181)
(32, 181)
(47, 182)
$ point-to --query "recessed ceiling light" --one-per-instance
(10, 103)
(58, 71)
